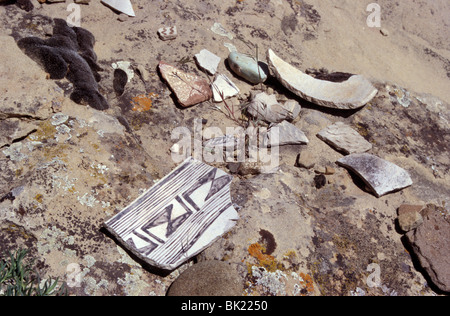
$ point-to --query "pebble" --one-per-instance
(320, 181)
(248, 67)
(209, 278)
(305, 160)
(329, 170)
(384, 32)
(409, 217)
(123, 17)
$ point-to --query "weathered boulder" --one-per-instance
(431, 245)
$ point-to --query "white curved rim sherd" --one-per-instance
(354, 93)
(123, 6)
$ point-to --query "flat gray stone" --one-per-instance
(344, 139)
(381, 176)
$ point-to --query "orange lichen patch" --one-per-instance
(268, 262)
(143, 103)
(307, 282)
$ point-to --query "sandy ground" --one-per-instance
(414, 55)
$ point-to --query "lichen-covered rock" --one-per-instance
(431, 244)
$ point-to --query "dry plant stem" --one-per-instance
(230, 111)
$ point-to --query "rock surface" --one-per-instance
(431, 244)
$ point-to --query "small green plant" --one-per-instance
(18, 278)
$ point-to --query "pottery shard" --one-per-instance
(283, 134)
(123, 6)
(179, 217)
(168, 33)
(188, 88)
(345, 139)
(381, 176)
(266, 107)
(353, 93)
(431, 245)
(223, 88)
(208, 61)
